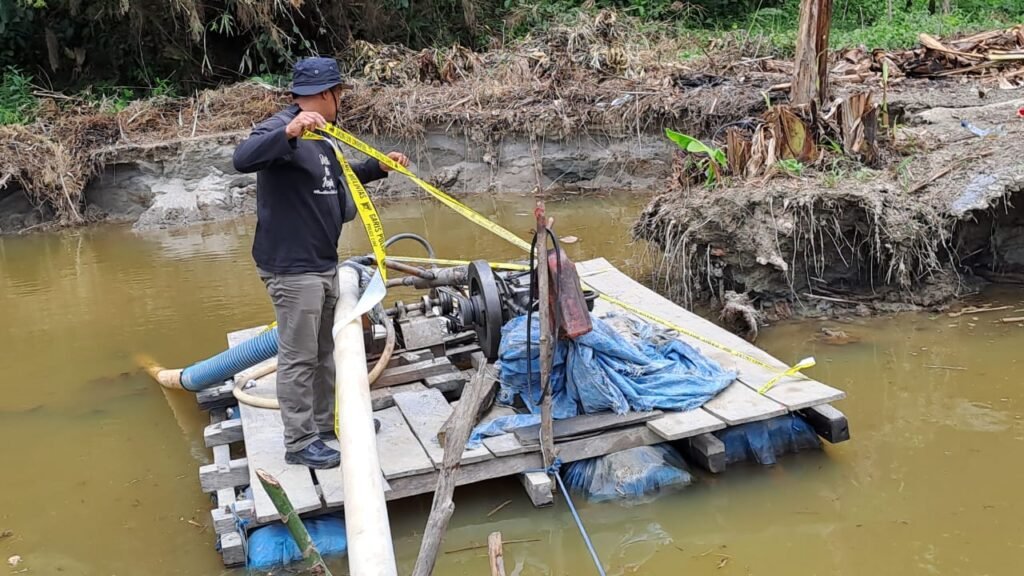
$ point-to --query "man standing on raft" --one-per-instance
(302, 201)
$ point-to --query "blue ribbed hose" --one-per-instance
(217, 369)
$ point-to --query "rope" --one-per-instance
(553, 471)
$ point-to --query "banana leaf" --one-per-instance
(694, 146)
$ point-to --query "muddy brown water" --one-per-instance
(98, 466)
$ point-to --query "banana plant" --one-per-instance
(712, 160)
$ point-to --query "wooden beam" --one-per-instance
(225, 432)
(211, 479)
(708, 452)
(443, 507)
(538, 487)
(413, 372)
(810, 72)
(828, 422)
(583, 425)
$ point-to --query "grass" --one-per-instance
(866, 23)
(17, 103)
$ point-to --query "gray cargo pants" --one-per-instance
(304, 306)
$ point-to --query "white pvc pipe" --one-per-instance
(370, 550)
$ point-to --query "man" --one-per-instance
(302, 201)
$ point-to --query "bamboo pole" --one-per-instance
(547, 435)
(290, 519)
(494, 553)
(371, 551)
(474, 394)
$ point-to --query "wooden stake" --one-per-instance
(547, 343)
(810, 73)
(455, 442)
(290, 519)
(495, 554)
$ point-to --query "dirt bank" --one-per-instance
(574, 108)
(942, 217)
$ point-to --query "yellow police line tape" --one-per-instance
(337, 133)
(364, 205)
(460, 208)
(445, 262)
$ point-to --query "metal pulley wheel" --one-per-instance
(484, 313)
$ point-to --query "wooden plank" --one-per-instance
(584, 424)
(679, 425)
(224, 432)
(426, 412)
(612, 441)
(507, 445)
(738, 404)
(381, 398)
(400, 452)
(332, 481)
(413, 372)
(793, 392)
(264, 447)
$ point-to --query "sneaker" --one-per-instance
(330, 435)
(317, 455)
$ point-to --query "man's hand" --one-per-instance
(398, 157)
(304, 121)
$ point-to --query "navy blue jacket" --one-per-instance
(301, 197)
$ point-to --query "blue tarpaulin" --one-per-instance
(273, 545)
(763, 441)
(632, 474)
(601, 371)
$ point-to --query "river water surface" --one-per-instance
(98, 467)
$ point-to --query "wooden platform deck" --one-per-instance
(412, 412)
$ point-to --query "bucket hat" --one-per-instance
(315, 75)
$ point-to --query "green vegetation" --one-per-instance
(17, 105)
(710, 161)
(113, 51)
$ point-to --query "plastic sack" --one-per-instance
(630, 474)
(763, 441)
(602, 370)
(273, 545)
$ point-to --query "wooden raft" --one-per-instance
(412, 413)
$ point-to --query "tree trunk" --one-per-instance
(810, 75)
